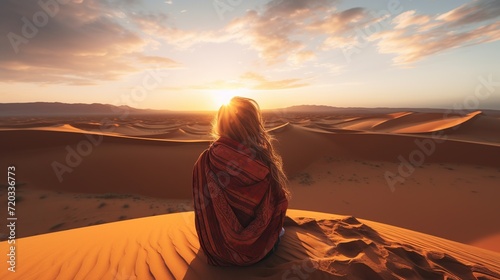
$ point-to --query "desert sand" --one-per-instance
(315, 246)
(74, 174)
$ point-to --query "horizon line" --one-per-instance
(267, 109)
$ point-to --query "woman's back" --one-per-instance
(240, 202)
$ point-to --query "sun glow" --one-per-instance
(223, 96)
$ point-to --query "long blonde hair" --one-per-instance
(241, 120)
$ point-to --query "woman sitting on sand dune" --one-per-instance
(239, 189)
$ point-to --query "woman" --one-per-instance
(239, 189)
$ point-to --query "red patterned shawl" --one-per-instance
(238, 215)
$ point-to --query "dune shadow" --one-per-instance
(342, 248)
(292, 259)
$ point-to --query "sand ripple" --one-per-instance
(316, 246)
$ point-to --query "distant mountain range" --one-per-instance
(44, 109)
(323, 109)
(64, 109)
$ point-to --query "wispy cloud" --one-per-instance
(259, 82)
(91, 41)
(158, 61)
(248, 80)
(302, 57)
(474, 12)
(340, 27)
(83, 43)
(415, 36)
(283, 29)
(158, 26)
(409, 18)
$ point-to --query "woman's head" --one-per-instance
(241, 120)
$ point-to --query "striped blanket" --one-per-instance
(238, 214)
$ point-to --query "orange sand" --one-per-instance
(336, 164)
(316, 245)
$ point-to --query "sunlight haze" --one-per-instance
(192, 55)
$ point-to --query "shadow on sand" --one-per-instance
(292, 259)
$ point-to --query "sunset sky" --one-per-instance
(190, 55)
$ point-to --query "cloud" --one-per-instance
(409, 18)
(302, 57)
(81, 42)
(473, 12)
(86, 42)
(415, 37)
(259, 82)
(249, 80)
(158, 26)
(161, 62)
(341, 22)
(279, 33)
(282, 30)
(342, 28)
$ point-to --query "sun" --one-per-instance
(223, 96)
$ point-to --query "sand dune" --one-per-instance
(485, 129)
(430, 123)
(473, 126)
(336, 164)
(410, 119)
(315, 246)
(103, 163)
(363, 123)
(340, 164)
